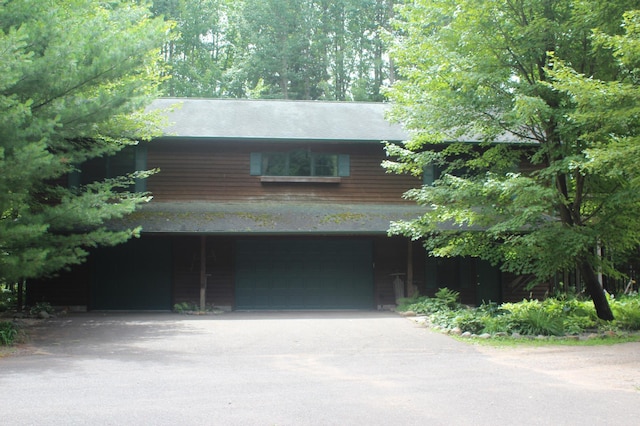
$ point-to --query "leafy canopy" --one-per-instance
(548, 91)
(74, 75)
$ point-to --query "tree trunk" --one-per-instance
(603, 310)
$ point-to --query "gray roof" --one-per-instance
(263, 218)
(278, 119)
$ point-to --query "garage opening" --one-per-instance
(304, 274)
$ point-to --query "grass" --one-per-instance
(559, 341)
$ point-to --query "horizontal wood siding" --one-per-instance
(219, 171)
(186, 279)
(390, 257)
(516, 288)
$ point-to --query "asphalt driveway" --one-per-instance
(303, 368)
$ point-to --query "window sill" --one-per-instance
(300, 179)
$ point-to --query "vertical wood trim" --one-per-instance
(203, 272)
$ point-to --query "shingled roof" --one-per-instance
(267, 218)
(278, 119)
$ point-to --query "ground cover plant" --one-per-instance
(8, 333)
(555, 316)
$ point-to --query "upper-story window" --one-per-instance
(299, 163)
(124, 162)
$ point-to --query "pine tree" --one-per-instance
(74, 77)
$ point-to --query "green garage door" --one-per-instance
(304, 274)
(133, 276)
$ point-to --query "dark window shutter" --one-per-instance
(428, 174)
(74, 179)
(256, 164)
(344, 168)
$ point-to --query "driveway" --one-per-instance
(303, 368)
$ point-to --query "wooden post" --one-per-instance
(203, 272)
(410, 287)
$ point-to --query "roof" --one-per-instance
(278, 119)
(265, 218)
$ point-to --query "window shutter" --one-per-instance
(428, 174)
(255, 169)
(344, 169)
(74, 179)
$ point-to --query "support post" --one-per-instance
(203, 272)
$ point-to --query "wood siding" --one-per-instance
(390, 257)
(186, 270)
(219, 171)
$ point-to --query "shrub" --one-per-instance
(184, 307)
(553, 316)
(8, 333)
(469, 320)
(448, 298)
(536, 322)
(8, 298)
(627, 313)
(41, 307)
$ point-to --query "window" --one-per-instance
(299, 163)
(122, 163)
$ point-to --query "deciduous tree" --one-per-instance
(558, 80)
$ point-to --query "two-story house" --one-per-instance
(266, 205)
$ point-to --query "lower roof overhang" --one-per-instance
(267, 218)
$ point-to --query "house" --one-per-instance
(266, 205)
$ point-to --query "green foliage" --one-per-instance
(448, 298)
(188, 307)
(627, 313)
(39, 307)
(8, 298)
(551, 317)
(556, 79)
(291, 49)
(76, 75)
(184, 307)
(8, 333)
(445, 299)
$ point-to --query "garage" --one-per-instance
(304, 274)
(133, 276)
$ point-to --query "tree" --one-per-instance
(291, 49)
(205, 51)
(534, 73)
(75, 75)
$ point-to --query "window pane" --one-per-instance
(274, 164)
(299, 163)
(325, 165)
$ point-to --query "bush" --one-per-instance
(41, 307)
(551, 317)
(470, 320)
(627, 313)
(8, 298)
(8, 333)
